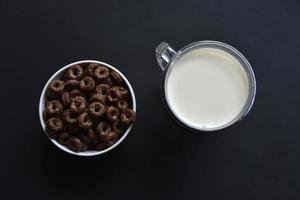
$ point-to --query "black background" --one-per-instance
(258, 158)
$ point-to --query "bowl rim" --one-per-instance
(42, 106)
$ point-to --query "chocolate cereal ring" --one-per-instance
(63, 138)
(108, 81)
(102, 89)
(123, 91)
(113, 96)
(98, 97)
(55, 88)
(118, 127)
(84, 121)
(78, 104)
(89, 136)
(101, 145)
(87, 84)
(91, 68)
(101, 73)
(66, 99)
(75, 92)
(96, 109)
(122, 104)
(55, 124)
(128, 116)
(116, 77)
(53, 108)
(74, 72)
(112, 113)
(72, 84)
(75, 144)
(111, 138)
(68, 118)
(103, 129)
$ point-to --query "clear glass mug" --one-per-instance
(166, 57)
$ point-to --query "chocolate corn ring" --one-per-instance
(102, 89)
(101, 73)
(116, 77)
(103, 129)
(63, 138)
(96, 109)
(78, 104)
(68, 118)
(72, 84)
(74, 72)
(55, 89)
(53, 108)
(55, 124)
(75, 144)
(112, 113)
(122, 104)
(87, 84)
(127, 116)
(84, 121)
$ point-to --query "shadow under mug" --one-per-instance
(167, 57)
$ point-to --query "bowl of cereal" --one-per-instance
(87, 108)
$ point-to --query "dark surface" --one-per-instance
(256, 159)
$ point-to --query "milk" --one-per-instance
(206, 88)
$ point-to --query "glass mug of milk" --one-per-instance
(207, 85)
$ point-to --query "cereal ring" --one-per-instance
(55, 88)
(74, 72)
(103, 129)
(55, 124)
(112, 113)
(63, 138)
(111, 138)
(100, 146)
(84, 138)
(78, 104)
(75, 144)
(102, 89)
(123, 91)
(53, 108)
(72, 84)
(68, 118)
(66, 99)
(122, 104)
(98, 97)
(116, 77)
(118, 127)
(128, 116)
(101, 73)
(96, 109)
(108, 81)
(87, 84)
(89, 136)
(91, 68)
(113, 96)
(75, 92)
(84, 121)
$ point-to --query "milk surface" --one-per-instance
(207, 88)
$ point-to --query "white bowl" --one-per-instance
(58, 75)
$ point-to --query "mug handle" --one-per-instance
(164, 55)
